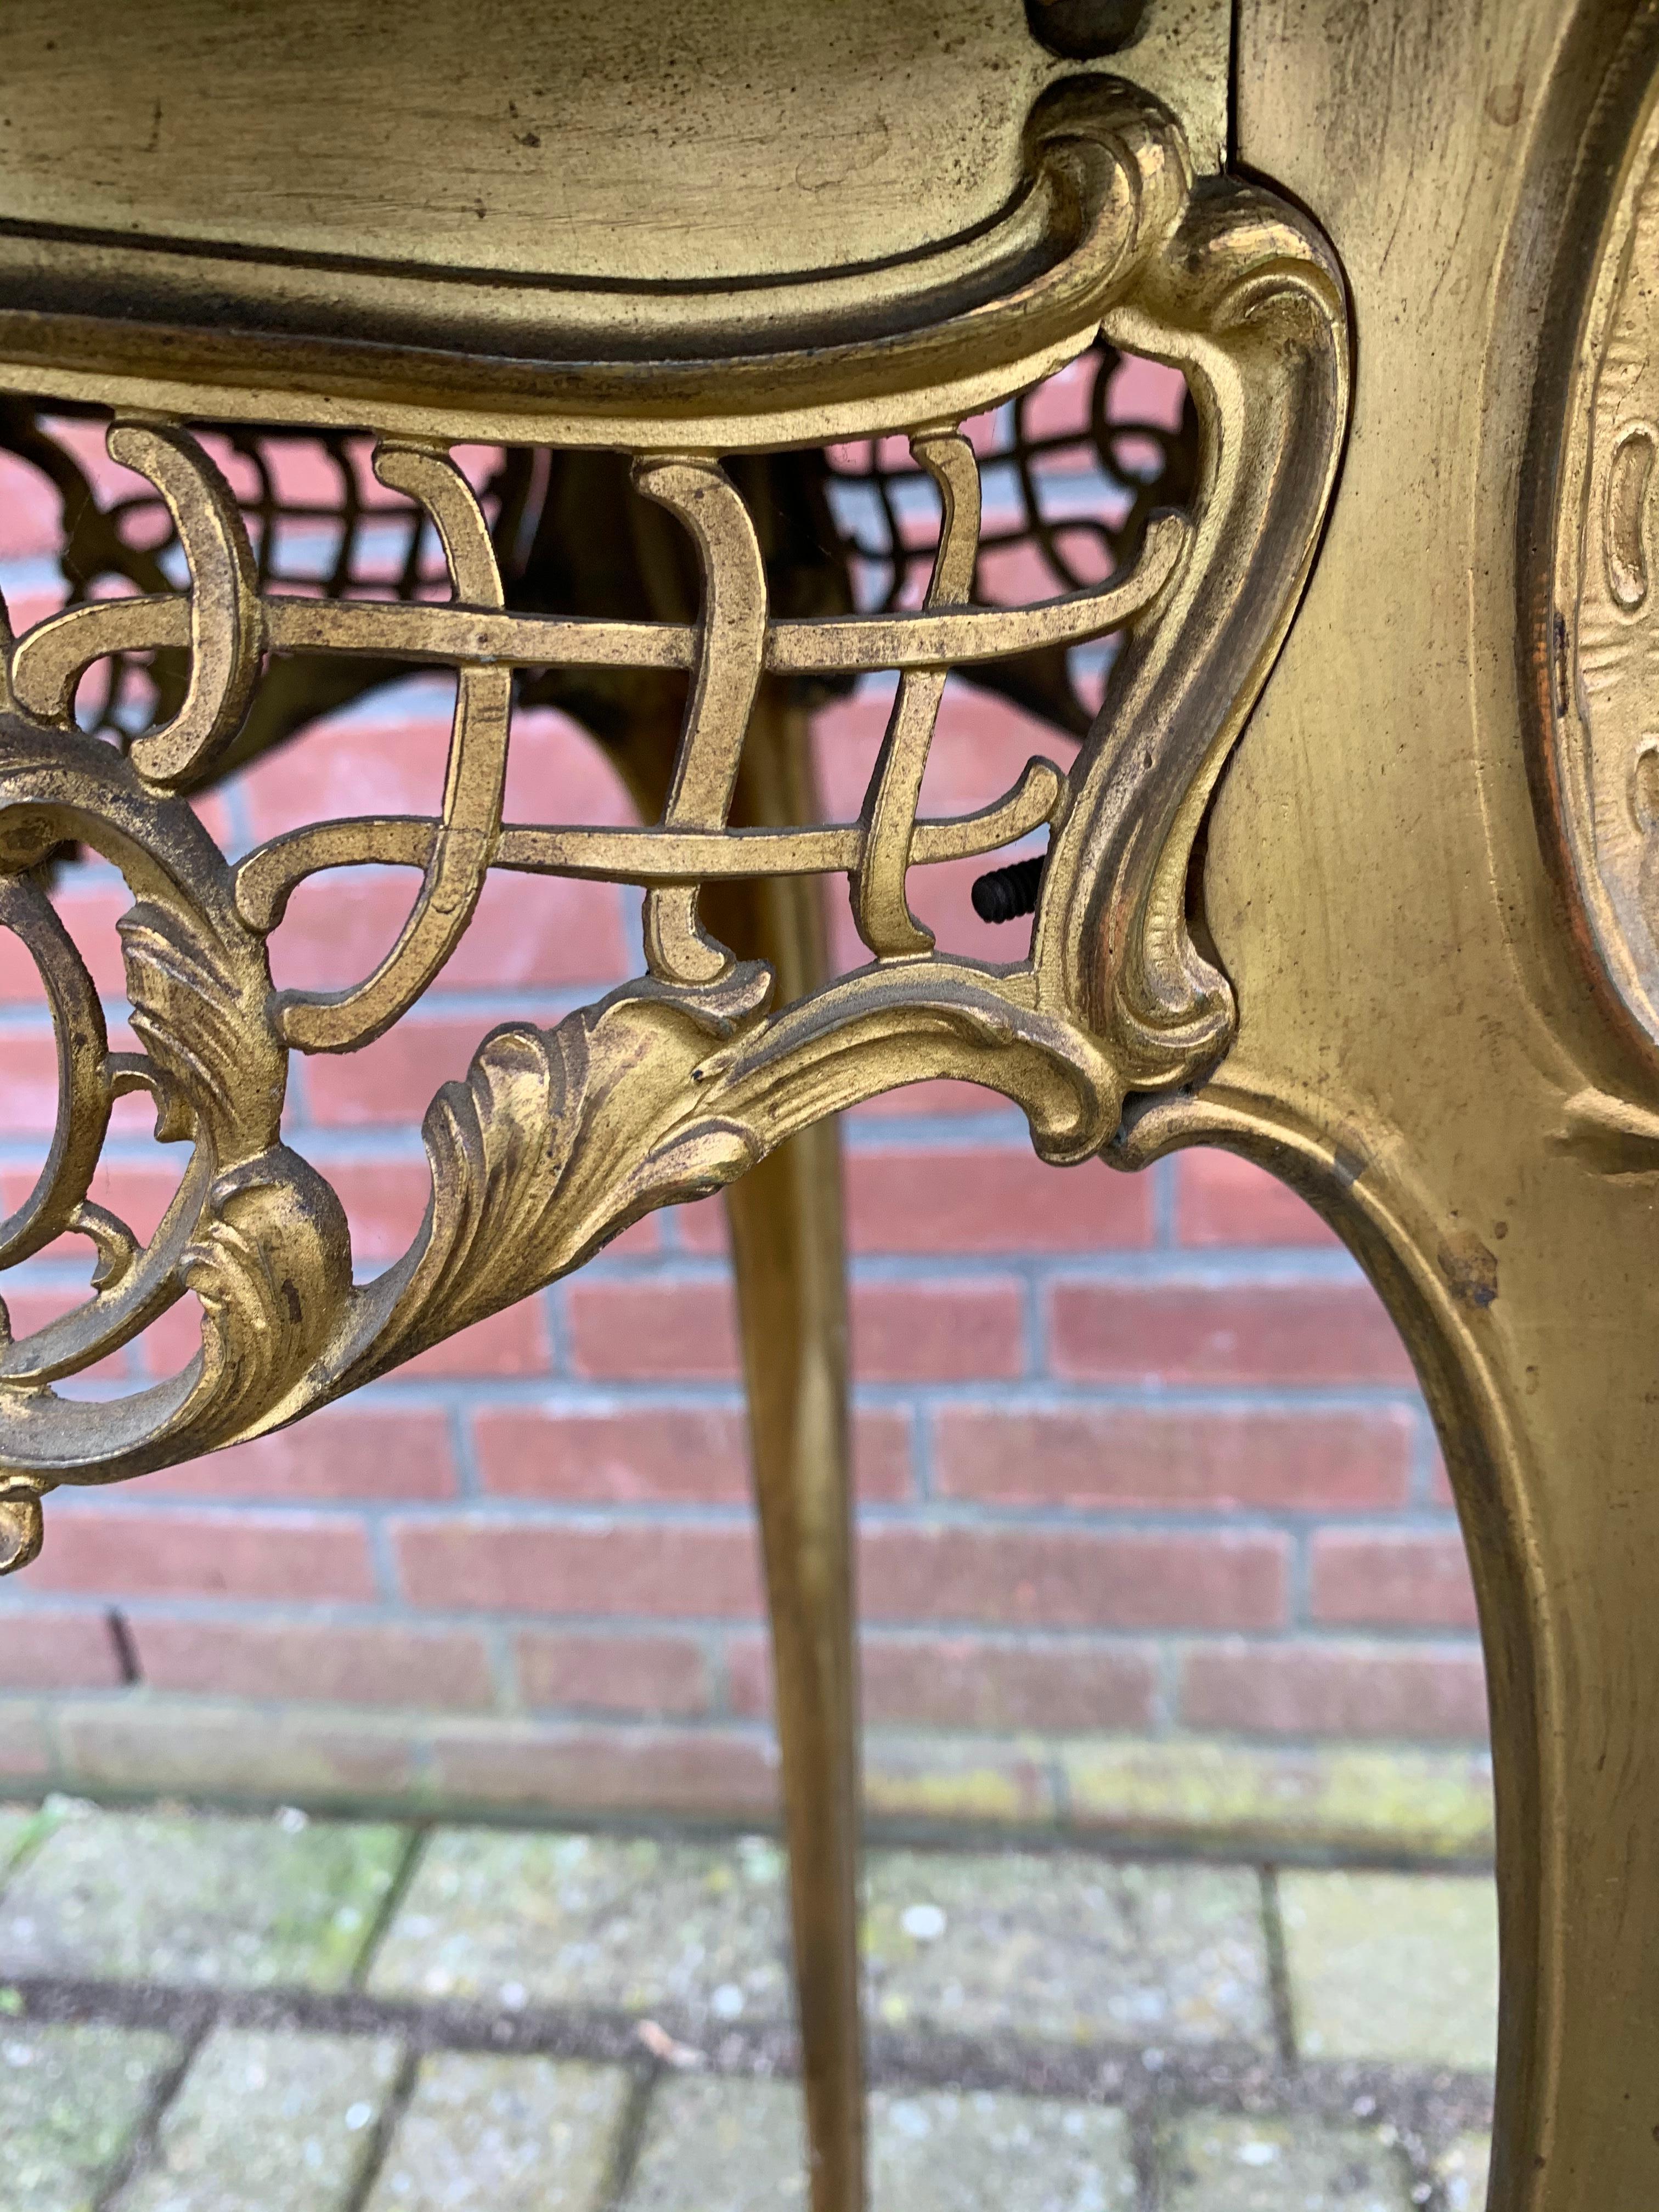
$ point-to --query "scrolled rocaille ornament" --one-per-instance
(680, 1081)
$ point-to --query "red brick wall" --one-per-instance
(1135, 1454)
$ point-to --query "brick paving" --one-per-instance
(202, 2012)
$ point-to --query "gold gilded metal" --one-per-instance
(1601, 763)
(678, 1084)
(718, 1069)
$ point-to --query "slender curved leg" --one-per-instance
(1420, 1049)
(1522, 1281)
(785, 1219)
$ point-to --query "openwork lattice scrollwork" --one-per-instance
(677, 1082)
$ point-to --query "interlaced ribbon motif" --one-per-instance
(677, 1082)
(558, 1138)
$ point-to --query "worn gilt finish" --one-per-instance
(1404, 951)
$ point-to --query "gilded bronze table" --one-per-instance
(1353, 872)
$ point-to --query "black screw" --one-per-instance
(1007, 893)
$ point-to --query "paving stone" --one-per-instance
(944, 2152)
(1462, 2173)
(1067, 1946)
(242, 1904)
(633, 1924)
(505, 2135)
(268, 2124)
(1216, 2165)
(738, 2146)
(720, 2146)
(1394, 1966)
(70, 2099)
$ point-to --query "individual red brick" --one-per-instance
(1311, 1689)
(701, 1227)
(1067, 1577)
(120, 1550)
(31, 512)
(139, 1195)
(385, 1201)
(1405, 1581)
(187, 1746)
(1014, 576)
(635, 1454)
(31, 1309)
(57, 1651)
(1160, 1457)
(557, 772)
(543, 931)
(526, 932)
(392, 1079)
(980, 750)
(989, 1200)
(1222, 1200)
(379, 1453)
(659, 1676)
(512, 1342)
(171, 1339)
(937, 1332)
(652, 1331)
(1287, 1333)
(360, 765)
(393, 763)
(717, 1772)
(90, 916)
(661, 1569)
(881, 1458)
(309, 1660)
(657, 1454)
(28, 1085)
(970, 1682)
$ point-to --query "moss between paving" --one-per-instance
(1437, 1804)
(268, 2124)
(1397, 1968)
(70, 2099)
(241, 1904)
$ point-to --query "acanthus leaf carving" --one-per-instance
(680, 1081)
